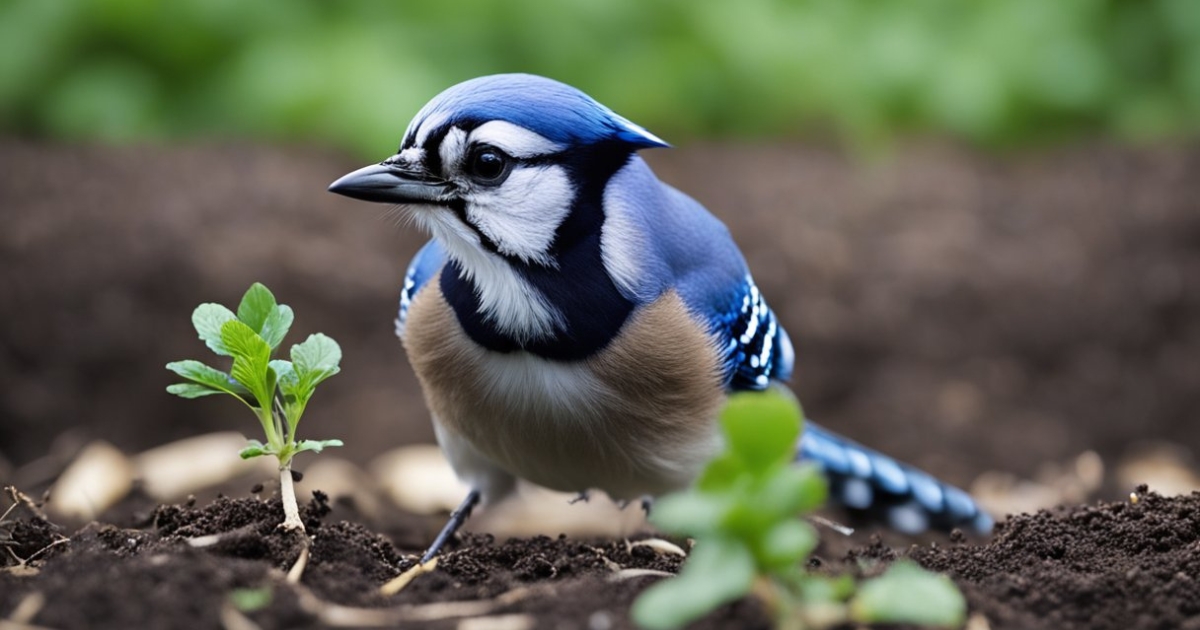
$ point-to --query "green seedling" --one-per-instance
(250, 600)
(745, 515)
(276, 390)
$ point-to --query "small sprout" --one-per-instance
(745, 512)
(908, 594)
(251, 599)
(719, 571)
(277, 391)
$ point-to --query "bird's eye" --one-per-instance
(488, 165)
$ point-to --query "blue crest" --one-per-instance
(547, 107)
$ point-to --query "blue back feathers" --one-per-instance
(551, 109)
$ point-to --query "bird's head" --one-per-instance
(496, 164)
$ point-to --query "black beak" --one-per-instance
(386, 183)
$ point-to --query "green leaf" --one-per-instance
(251, 360)
(691, 512)
(191, 390)
(817, 588)
(318, 352)
(275, 328)
(786, 544)
(257, 305)
(295, 397)
(718, 571)
(316, 446)
(908, 594)
(791, 490)
(762, 427)
(208, 319)
(209, 377)
(747, 519)
(285, 374)
(251, 599)
(721, 473)
(254, 448)
(314, 361)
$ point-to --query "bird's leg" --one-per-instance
(457, 518)
(584, 497)
(647, 503)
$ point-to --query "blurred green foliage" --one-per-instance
(993, 72)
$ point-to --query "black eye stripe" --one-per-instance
(433, 143)
(433, 157)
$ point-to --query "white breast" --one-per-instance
(637, 419)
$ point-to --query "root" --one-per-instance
(297, 571)
(287, 493)
(397, 584)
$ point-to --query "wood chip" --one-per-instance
(338, 616)
(661, 546)
(498, 622)
(99, 476)
(28, 608)
(419, 479)
(627, 574)
(177, 469)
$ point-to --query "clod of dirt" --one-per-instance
(26, 539)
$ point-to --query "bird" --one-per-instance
(577, 323)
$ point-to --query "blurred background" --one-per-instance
(349, 74)
(978, 220)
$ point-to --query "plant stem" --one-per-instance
(287, 492)
(267, 420)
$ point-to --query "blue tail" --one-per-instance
(874, 485)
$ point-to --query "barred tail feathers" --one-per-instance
(868, 482)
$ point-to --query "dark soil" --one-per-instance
(966, 314)
(1112, 565)
(106, 576)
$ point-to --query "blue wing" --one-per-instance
(424, 266)
(708, 270)
(755, 348)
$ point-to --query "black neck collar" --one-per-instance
(578, 287)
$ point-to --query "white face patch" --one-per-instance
(506, 299)
(623, 236)
(412, 155)
(513, 139)
(453, 150)
(522, 215)
(427, 126)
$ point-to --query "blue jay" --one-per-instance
(578, 323)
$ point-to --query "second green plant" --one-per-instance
(745, 513)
